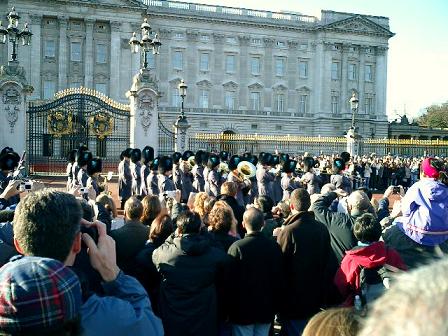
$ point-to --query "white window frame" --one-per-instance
(204, 61)
(255, 104)
(49, 89)
(368, 105)
(229, 100)
(335, 104)
(303, 103)
(280, 65)
(75, 55)
(352, 71)
(204, 98)
(178, 60)
(368, 77)
(303, 69)
(176, 100)
(50, 52)
(335, 70)
(280, 101)
(230, 66)
(255, 65)
(103, 59)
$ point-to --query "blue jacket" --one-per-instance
(126, 310)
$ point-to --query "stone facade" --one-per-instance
(247, 71)
(404, 129)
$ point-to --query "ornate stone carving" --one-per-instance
(115, 26)
(36, 19)
(59, 123)
(144, 79)
(164, 33)
(218, 37)
(12, 115)
(146, 106)
(192, 35)
(268, 42)
(244, 40)
(380, 51)
(292, 44)
(11, 96)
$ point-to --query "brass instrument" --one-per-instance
(223, 168)
(191, 162)
(246, 169)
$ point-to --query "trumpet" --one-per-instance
(191, 162)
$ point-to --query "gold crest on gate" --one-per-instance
(102, 125)
(59, 123)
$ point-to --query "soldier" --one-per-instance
(9, 161)
(94, 168)
(75, 166)
(177, 178)
(152, 181)
(198, 172)
(124, 178)
(136, 167)
(276, 185)
(237, 178)
(289, 183)
(83, 159)
(264, 177)
(165, 171)
(214, 178)
(71, 158)
(186, 176)
(147, 158)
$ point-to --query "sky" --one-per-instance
(418, 53)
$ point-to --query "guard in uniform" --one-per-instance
(125, 178)
(9, 161)
(289, 183)
(214, 178)
(198, 172)
(83, 160)
(71, 158)
(147, 158)
(152, 181)
(186, 176)
(264, 177)
(235, 177)
(136, 167)
(177, 178)
(94, 168)
(165, 171)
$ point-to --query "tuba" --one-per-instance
(246, 170)
(223, 168)
(191, 162)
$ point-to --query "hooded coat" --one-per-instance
(425, 213)
(347, 278)
(188, 300)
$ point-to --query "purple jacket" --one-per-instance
(425, 212)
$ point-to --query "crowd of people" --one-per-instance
(220, 244)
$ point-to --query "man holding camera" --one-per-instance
(47, 224)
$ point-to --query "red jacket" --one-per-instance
(374, 255)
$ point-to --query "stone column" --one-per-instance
(36, 44)
(318, 77)
(14, 89)
(143, 98)
(344, 77)
(115, 59)
(181, 127)
(362, 79)
(381, 82)
(63, 69)
(88, 57)
(243, 98)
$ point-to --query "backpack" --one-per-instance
(373, 283)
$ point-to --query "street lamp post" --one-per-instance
(181, 125)
(146, 44)
(183, 93)
(352, 136)
(13, 33)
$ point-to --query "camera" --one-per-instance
(84, 190)
(170, 194)
(26, 186)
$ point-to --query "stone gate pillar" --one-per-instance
(143, 99)
(14, 90)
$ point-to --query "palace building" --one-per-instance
(247, 71)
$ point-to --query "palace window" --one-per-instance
(368, 105)
(352, 71)
(230, 63)
(229, 100)
(75, 51)
(334, 104)
(280, 102)
(335, 70)
(101, 53)
(303, 103)
(50, 49)
(49, 89)
(255, 101)
(204, 62)
(280, 66)
(303, 69)
(175, 98)
(178, 60)
(203, 99)
(369, 73)
(255, 65)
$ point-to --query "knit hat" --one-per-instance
(37, 294)
(429, 169)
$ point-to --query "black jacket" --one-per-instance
(257, 278)
(129, 239)
(338, 224)
(306, 248)
(190, 269)
(221, 240)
